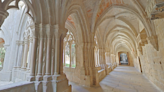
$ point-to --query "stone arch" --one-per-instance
(147, 25)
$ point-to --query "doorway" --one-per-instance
(123, 59)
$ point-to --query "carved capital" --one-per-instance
(154, 41)
(140, 49)
(26, 41)
(60, 32)
(19, 42)
(36, 31)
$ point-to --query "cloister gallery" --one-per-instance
(81, 45)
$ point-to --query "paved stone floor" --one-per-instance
(122, 79)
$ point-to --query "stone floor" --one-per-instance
(122, 79)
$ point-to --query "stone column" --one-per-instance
(64, 55)
(90, 62)
(61, 51)
(29, 54)
(59, 37)
(33, 54)
(102, 58)
(40, 59)
(20, 54)
(70, 48)
(52, 62)
(25, 54)
(47, 76)
(17, 46)
(59, 78)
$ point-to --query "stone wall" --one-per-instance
(152, 61)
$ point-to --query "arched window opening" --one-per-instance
(123, 59)
(67, 55)
(2, 53)
(73, 55)
(96, 53)
(69, 51)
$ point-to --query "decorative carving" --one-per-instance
(155, 9)
(20, 42)
(142, 40)
(154, 41)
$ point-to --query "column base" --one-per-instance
(24, 68)
(60, 84)
(31, 78)
(39, 78)
(47, 78)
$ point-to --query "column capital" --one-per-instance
(60, 31)
(26, 41)
(31, 40)
(6, 46)
(37, 29)
(19, 42)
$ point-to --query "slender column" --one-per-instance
(70, 48)
(61, 51)
(52, 62)
(102, 58)
(48, 55)
(64, 55)
(25, 54)
(20, 56)
(29, 54)
(59, 37)
(34, 52)
(17, 46)
(57, 46)
(52, 55)
(40, 59)
(44, 57)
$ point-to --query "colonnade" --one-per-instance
(23, 54)
(47, 55)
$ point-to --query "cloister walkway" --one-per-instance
(121, 79)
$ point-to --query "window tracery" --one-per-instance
(69, 51)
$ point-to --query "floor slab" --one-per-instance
(122, 79)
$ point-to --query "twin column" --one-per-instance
(51, 34)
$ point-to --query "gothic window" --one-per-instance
(73, 55)
(67, 55)
(96, 53)
(69, 51)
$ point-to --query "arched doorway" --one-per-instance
(123, 59)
